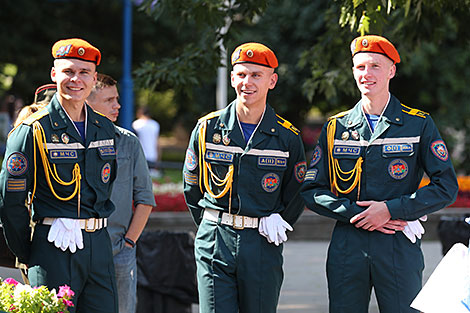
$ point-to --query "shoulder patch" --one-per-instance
(36, 116)
(286, 124)
(210, 115)
(414, 112)
(341, 114)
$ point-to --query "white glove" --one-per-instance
(66, 233)
(414, 229)
(273, 227)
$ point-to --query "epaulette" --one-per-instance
(209, 116)
(36, 116)
(340, 114)
(414, 112)
(286, 124)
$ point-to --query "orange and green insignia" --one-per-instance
(286, 124)
(414, 112)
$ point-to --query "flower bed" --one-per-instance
(169, 196)
(18, 298)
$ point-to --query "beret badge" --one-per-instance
(365, 43)
(249, 53)
(81, 51)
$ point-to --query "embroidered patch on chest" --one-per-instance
(398, 148)
(270, 182)
(107, 150)
(17, 164)
(219, 156)
(272, 161)
(346, 150)
(190, 160)
(299, 170)
(439, 149)
(316, 156)
(106, 173)
(62, 154)
(398, 169)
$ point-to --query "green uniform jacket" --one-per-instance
(405, 144)
(96, 158)
(268, 170)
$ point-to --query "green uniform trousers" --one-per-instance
(89, 271)
(359, 260)
(237, 270)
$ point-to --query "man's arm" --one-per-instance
(138, 222)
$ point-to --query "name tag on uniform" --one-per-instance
(398, 148)
(107, 150)
(272, 161)
(63, 154)
(346, 150)
(219, 156)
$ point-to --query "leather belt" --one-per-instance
(234, 220)
(89, 224)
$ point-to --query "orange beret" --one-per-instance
(255, 53)
(45, 92)
(76, 48)
(375, 44)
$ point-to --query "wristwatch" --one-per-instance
(130, 241)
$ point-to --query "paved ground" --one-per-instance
(304, 289)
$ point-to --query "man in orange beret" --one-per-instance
(243, 170)
(62, 161)
(365, 172)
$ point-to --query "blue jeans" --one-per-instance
(126, 279)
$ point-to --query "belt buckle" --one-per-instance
(234, 224)
(90, 230)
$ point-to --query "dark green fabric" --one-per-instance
(357, 259)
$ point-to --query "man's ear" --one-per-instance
(273, 80)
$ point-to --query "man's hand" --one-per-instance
(374, 217)
(392, 226)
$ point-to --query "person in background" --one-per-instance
(148, 131)
(365, 172)
(61, 160)
(132, 185)
(242, 174)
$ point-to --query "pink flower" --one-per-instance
(11, 281)
(67, 302)
(65, 291)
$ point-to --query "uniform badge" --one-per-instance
(439, 149)
(81, 51)
(106, 173)
(316, 156)
(270, 182)
(216, 138)
(226, 140)
(17, 164)
(236, 55)
(65, 138)
(365, 43)
(190, 160)
(345, 135)
(355, 135)
(190, 179)
(398, 169)
(55, 138)
(16, 185)
(311, 174)
(249, 53)
(300, 169)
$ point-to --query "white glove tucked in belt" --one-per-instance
(274, 227)
(66, 233)
(414, 229)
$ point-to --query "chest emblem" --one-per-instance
(219, 156)
(439, 149)
(398, 169)
(17, 164)
(272, 161)
(65, 138)
(106, 173)
(216, 138)
(270, 182)
(190, 160)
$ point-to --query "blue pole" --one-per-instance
(127, 94)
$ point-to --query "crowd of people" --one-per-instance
(70, 179)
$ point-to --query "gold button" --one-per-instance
(272, 130)
(221, 124)
(349, 122)
(56, 124)
(397, 119)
